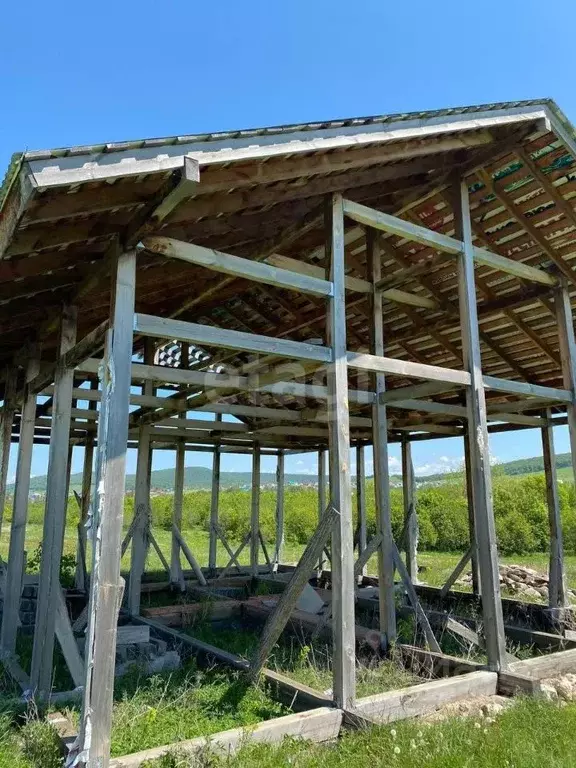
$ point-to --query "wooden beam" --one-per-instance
(386, 594)
(176, 575)
(165, 328)
(322, 499)
(479, 446)
(415, 233)
(106, 586)
(214, 504)
(344, 682)
(279, 539)
(237, 266)
(557, 597)
(522, 388)
(15, 566)
(255, 511)
(55, 513)
(381, 364)
(361, 502)
(410, 514)
(356, 284)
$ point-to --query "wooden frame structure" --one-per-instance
(389, 279)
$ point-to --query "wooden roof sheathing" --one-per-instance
(64, 211)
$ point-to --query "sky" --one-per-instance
(76, 73)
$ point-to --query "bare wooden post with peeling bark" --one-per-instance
(479, 447)
(55, 512)
(344, 639)
(106, 586)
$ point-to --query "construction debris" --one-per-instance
(520, 581)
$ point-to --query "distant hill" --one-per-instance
(201, 477)
(194, 477)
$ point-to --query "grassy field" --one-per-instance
(437, 566)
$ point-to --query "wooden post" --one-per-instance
(410, 514)
(106, 586)
(255, 514)
(85, 504)
(386, 566)
(54, 512)
(6, 422)
(556, 574)
(214, 502)
(361, 504)
(15, 566)
(476, 586)
(344, 639)
(176, 574)
(479, 445)
(140, 539)
(279, 544)
(322, 500)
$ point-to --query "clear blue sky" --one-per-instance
(75, 73)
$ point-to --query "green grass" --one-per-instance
(528, 735)
(309, 664)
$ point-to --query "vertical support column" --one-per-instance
(54, 512)
(106, 586)
(479, 445)
(140, 539)
(279, 545)
(176, 574)
(15, 566)
(214, 503)
(85, 499)
(361, 504)
(380, 443)
(556, 575)
(344, 640)
(476, 588)
(322, 502)
(255, 511)
(410, 514)
(6, 422)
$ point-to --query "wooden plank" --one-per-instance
(548, 665)
(361, 503)
(255, 511)
(479, 446)
(189, 556)
(356, 284)
(15, 565)
(344, 669)
(277, 620)
(297, 696)
(415, 233)
(165, 328)
(425, 663)
(410, 515)
(471, 502)
(317, 725)
(381, 364)
(81, 577)
(55, 514)
(416, 391)
(279, 540)
(67, 641)
(106, 585)
(425, 698)
(415, 602)
(557, 597)
(510, 684)
(386, 594)
(129, 633)
(457, 571)
(234, 265)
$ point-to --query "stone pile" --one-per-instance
(560, 688)
(520, 581)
